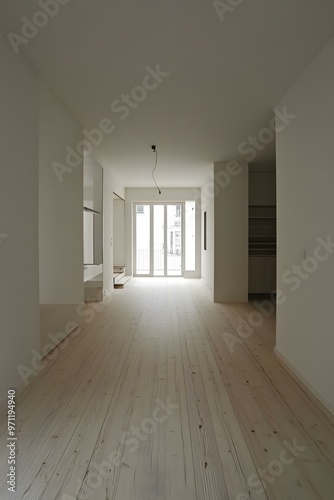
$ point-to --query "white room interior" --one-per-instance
(211, 95)
(60, 279)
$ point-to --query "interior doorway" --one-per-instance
(158, 239)
(118, 231)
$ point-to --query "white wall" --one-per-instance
(93, 182)
(60, 221)
(208, 206)
(111, 184)
(19, 301)
(119, 232)
(92, 223)
(225, 262)
(108, 224)
(231, 232)
(118, 186)
(60, 206)
(305, 180)
(262, 187)
(151, 195)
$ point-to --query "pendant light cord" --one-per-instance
(156, 164)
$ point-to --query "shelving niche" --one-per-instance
(262, 248)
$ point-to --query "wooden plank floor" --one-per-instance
(163, 396)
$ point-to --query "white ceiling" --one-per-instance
(225, 77)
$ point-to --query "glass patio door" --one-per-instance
(159, 247)
(174, 240)
(158, 239)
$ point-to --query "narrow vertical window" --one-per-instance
(190, 236)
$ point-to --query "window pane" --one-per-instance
(143, 239)
(174, 240)
(159, 237)
(190, 235)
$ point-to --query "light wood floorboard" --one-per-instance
(163, 395)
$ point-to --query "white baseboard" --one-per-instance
(306, 385)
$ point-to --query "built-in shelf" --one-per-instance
(262, 218)
(262, 248)
(119, 277)
(94, 289)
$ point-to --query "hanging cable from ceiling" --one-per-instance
(154, 149)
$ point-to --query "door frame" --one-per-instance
(134, 239)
